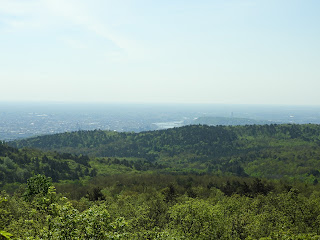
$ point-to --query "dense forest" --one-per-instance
(193, 182)
(17, 165)
(149, 206)
(271, 151)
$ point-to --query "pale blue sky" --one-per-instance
(168, 51)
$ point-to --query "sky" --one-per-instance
(168, 51)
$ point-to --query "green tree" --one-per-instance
(38, 184)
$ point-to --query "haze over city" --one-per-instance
(130, 51)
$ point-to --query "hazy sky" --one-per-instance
(179, 51)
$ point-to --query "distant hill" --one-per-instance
(228, 121)
(272, 151)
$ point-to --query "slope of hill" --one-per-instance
(17, 165)
(272, 151)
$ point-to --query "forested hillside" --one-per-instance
(193, 182)
(17, 165)
(272, 151)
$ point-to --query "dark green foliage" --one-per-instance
(95, 194)
(38, 184)
(169, 193)
(203, 139)
(272, 151)
(17, 165)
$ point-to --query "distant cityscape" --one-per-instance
(22, 120)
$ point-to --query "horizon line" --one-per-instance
(153, 103)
